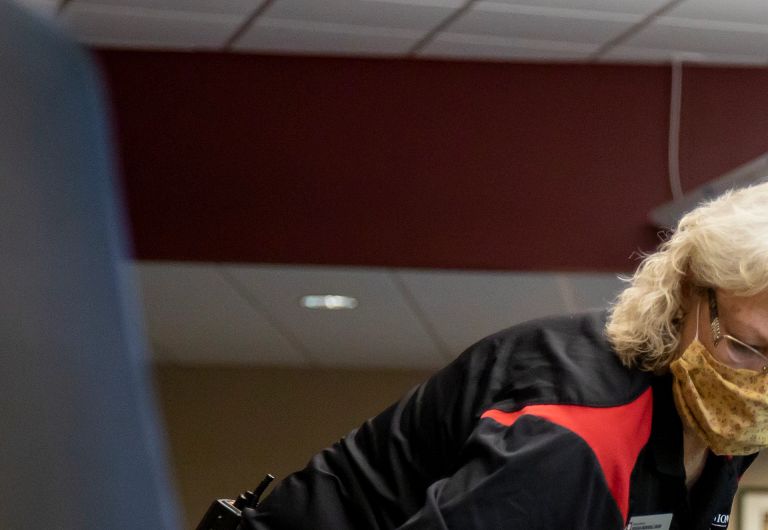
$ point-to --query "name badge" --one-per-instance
(659, 521)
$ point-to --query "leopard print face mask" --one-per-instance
(727, 407)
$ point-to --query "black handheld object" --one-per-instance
(225, 514)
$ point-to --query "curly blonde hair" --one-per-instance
(723, 244)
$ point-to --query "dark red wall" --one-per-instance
(244, 158)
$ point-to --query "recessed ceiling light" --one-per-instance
(328, 301)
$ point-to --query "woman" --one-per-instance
(699, 307)
(643, 416)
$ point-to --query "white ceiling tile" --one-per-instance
(493, 47)
(745, 11)
(222, 7)
(47, 8)
(382, 331)
(143, 27)
(194, 315)
(636, 7)
(415, 16)
(405, 318)
(687, 35)
(717, 25)
(296, 36)
(585, 292)
(620, 54)
(421, 3)
(464, 307)
(547, 24)
(629, 54)
(707, 31)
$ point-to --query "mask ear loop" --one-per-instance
(698, 315)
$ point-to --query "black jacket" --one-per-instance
(536, 427)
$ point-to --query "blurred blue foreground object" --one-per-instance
(80, 443)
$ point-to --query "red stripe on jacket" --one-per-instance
(615, 434)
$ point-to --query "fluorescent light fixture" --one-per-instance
(328, 301)
(753, 172)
